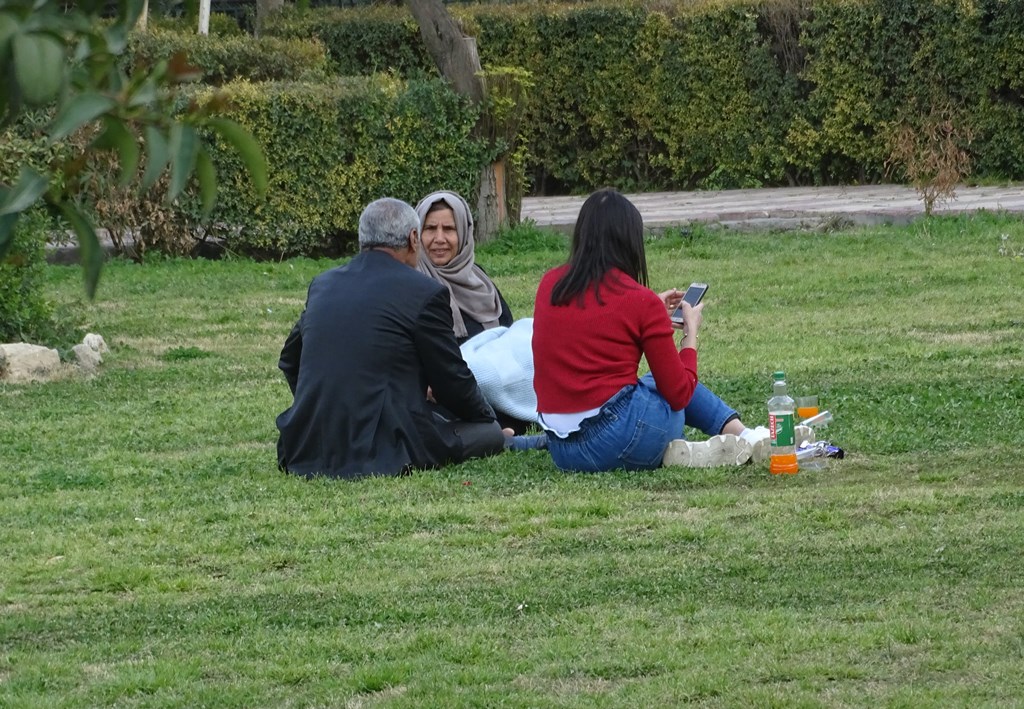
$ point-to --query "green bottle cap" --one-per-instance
(779, 376)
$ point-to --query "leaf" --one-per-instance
(39, 66)
(206, 173)
(131, 10)
(29, 188)
(157, 156)
(116, 136)
(116, 37)
(88, 243)
(83, 50)
(248, 149)
(143, 94)
(81, 109)
(184, 146)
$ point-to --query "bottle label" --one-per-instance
(782, 428)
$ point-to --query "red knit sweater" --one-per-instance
(584, 355)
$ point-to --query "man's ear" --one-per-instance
(412, 249)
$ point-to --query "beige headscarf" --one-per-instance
(470, 288)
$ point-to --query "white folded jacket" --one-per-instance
(501, 359)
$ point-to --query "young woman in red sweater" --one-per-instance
(593, 320)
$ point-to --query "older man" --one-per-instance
(374, 336)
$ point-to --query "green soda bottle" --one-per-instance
(782, 426)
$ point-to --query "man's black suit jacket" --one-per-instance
(374, 335)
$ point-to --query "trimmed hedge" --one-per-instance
(25, 144)
(369, 40)
(226, 58)
(734, 93)
(643, 101)
(707, 96)
(874, 64)
(999, 116)
(25, 314)
(221, 24)
(333, 148)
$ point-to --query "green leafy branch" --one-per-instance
(69, 60)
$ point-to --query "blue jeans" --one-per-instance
(634, 427)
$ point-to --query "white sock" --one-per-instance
(753, 435)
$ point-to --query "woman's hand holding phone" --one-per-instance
(691, 318)
(688, 315)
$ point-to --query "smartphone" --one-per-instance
(693, 295)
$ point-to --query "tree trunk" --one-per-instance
(204, 17)
(454, 53)
(491, 209)
(456, 57)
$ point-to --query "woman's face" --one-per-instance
(440, 239)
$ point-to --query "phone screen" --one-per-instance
(695, 293)
(693, 296)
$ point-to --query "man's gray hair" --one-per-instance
(387, 222)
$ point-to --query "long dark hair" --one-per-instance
(609, 234)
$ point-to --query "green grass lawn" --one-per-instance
(152, 555)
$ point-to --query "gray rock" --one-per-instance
(28, 363)
(87, 359)
(96, 343)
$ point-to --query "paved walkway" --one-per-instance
(767, 208)
(784, 207)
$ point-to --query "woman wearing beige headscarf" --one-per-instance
(498, 351)
(447, 255)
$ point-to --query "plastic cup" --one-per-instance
(806, 407)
